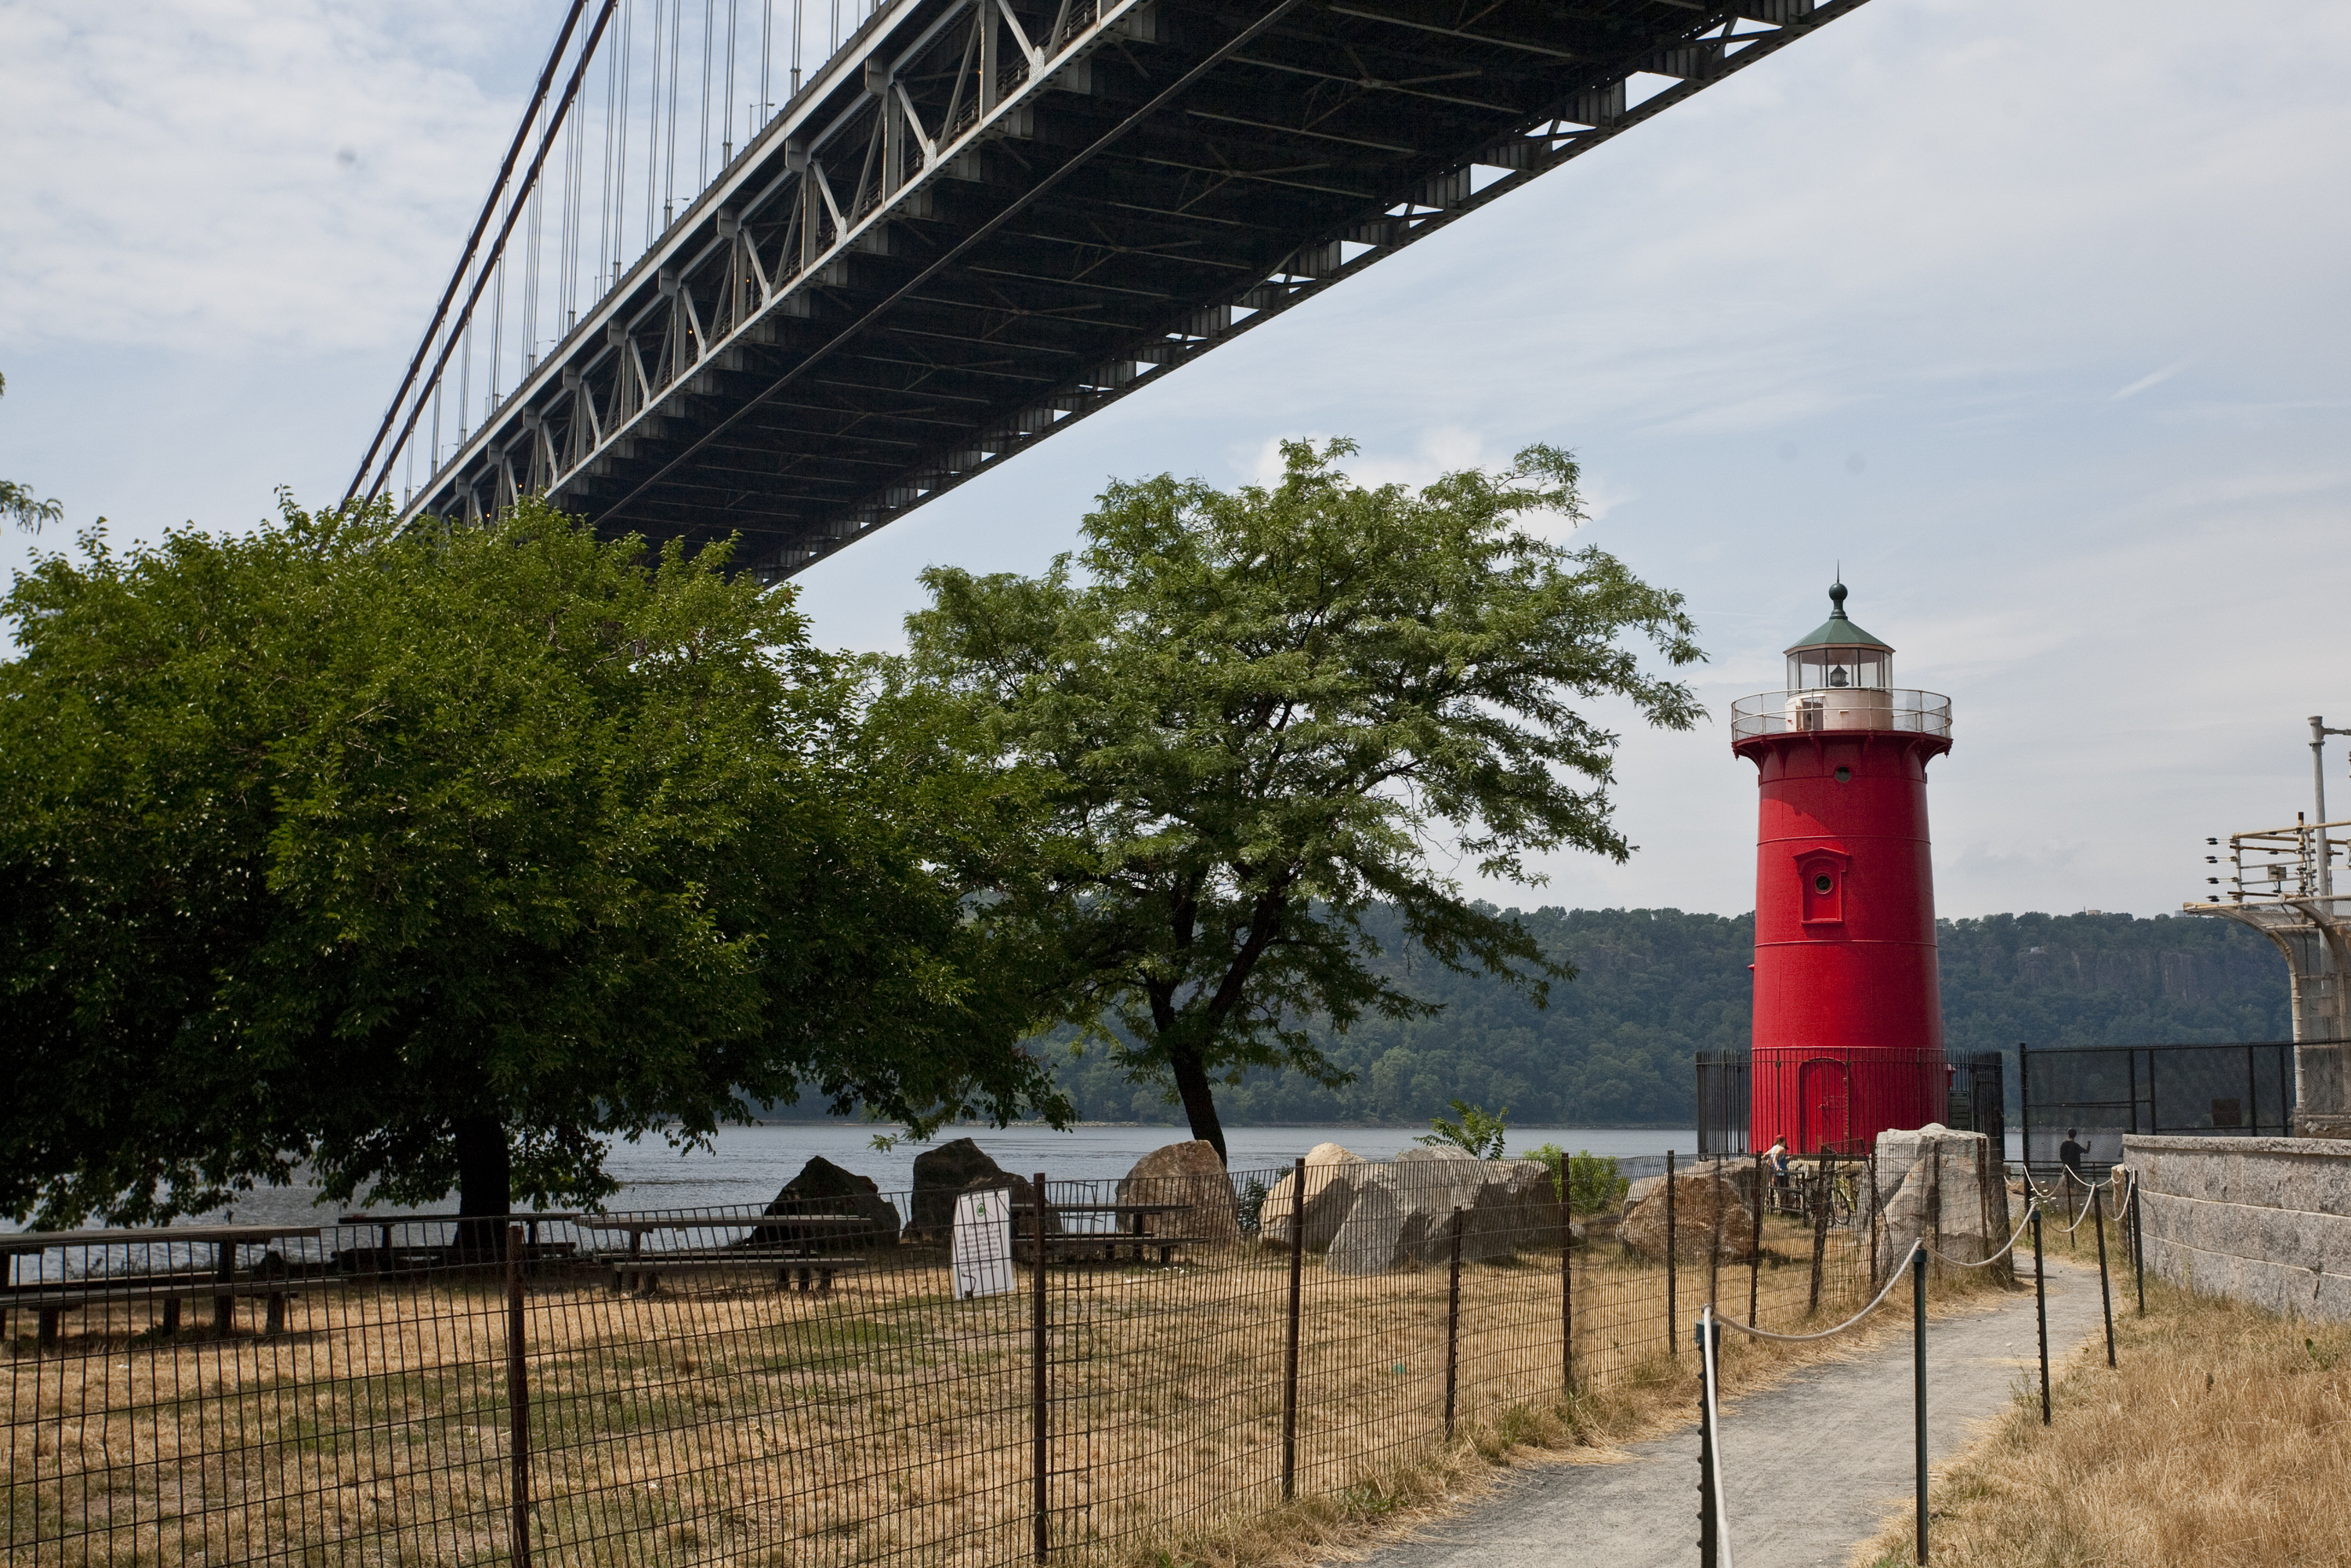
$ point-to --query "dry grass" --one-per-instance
(2223, 1438)
(886, 1423)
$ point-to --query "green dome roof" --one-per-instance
(1838, 631)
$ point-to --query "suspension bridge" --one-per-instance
(788, 276)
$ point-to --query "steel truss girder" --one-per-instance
(1024, 181)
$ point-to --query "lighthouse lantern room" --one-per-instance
(1848, 1033)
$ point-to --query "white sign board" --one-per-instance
(981, 1252)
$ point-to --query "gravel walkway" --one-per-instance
(1814, 1466)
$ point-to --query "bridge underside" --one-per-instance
(986, 218)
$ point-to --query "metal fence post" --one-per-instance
(1755, 1245)
(518, 1401)
(1918, 1379)
(2105, 1292)
(1824, 1195)
(1290, 1354)
(1452, 1322)
(1040, 1499)
(1566, 1288)
(224, 1273)
(1672, 1292)
(1709, 1546)
(2039, 1300)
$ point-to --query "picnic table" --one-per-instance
(386, 1254)
(1072, 1243)
(804, 1260)
(47, 1298)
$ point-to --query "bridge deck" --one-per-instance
(984, 219)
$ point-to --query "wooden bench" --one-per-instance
(645, 1269)
(46, 1298)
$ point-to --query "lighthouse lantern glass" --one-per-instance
(1829, 667)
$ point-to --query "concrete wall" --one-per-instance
(2264, 1220)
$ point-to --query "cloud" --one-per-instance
(2156, 379)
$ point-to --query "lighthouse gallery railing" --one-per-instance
(1841, 708)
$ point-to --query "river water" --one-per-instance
(750, 1165)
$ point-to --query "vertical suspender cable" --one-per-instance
(766, 60)
(473, 242)
(702, 167)
(538, 159)
(654, 129)
(616, 155)
(727, 100)
(796, 48)
(669, 122)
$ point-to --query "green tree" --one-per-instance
(1242, 718)
(423, 861)
(19, 502)
(1477, 1135)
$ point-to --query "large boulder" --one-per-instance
(1190, 1174)
(823, 1187)
(1402, 1214)
(1708, 1212)
(1330, 1192)
(940, 1174)
(1946, 1186)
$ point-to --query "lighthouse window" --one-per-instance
(1844, 776)
(1822, 884)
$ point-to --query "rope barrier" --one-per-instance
(2030, 1209)
(1892, 1276)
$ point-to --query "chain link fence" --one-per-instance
(843, 1383)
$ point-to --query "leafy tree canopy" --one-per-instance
(425, 860)
(21, 502)
(1240, 718)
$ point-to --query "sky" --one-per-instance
(2031, 315)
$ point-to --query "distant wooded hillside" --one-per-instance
(1656, 986)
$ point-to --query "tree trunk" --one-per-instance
(1199, 1101)
(485, 1185)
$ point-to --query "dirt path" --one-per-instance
(1813, 1465)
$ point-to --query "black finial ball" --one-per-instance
(1836, 597)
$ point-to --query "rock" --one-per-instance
(1699, 1196)
(1190, 1174)
(1402, 1214)
(939, 1174)
(1944, 1186)
(823, 1187)
(1330, 1192)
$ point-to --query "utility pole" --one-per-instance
(2318, 733)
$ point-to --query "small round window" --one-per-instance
(1822, 884)
(1844, 775)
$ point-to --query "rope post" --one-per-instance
(1566, 1288)
(1755, 1242)
(2041, 1307)
(2138, 1248)
(1289, 1351)
(518, 1400)
(1714, 1237)
(1039, 1500)
(2105, 1292)
(1673, 1298)
(1709, 1544)
(1452, 1322)
(1919, 1378)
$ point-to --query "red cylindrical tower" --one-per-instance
(1848, 1012)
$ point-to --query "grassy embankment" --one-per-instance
(2223, 1438)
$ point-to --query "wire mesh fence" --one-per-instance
(833, 1382)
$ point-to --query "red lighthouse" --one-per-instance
(1848, 1013)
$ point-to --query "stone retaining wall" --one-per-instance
(2262, 1220)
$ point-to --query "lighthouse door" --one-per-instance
(1821, 1101)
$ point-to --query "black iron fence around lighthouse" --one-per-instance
(1975, 1085)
